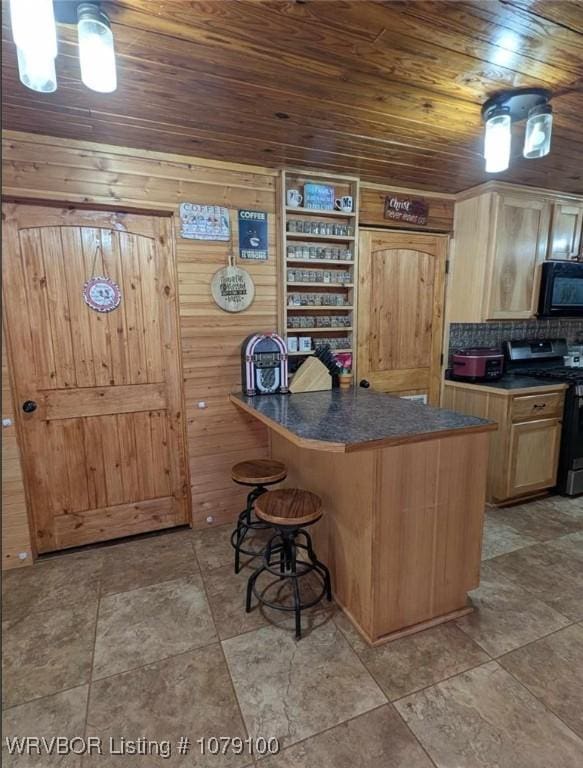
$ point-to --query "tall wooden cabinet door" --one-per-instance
(521, 230)
(400, 311)
(566, 231)
(534, 455)
(98, 394)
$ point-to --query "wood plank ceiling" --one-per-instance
(390, 91)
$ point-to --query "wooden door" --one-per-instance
(400, 311)
(521, 232)
(566, 231)
(104, 451)
(534, 454)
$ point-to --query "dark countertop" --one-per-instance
(357, 419)
(511, 383)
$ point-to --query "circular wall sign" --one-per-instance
(232, 289)
(102, 294)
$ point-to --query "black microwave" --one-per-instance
(561, 289)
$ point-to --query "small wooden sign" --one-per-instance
(414, 210)
(233, 289)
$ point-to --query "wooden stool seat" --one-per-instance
(259, 472)
(289, 507)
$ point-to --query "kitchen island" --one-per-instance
(403, 487)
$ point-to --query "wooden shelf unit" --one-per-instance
(321, 252)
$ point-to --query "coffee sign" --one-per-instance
(413, 210)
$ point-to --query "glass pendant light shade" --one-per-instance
(37, 71)
(539, 126)
(35, 34)
(497, 139)
(96, 49)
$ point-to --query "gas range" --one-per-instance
(542, 359)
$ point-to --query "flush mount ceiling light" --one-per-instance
(35, 36)
(499, 112)
(96, 51)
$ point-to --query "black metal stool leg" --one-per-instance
(319, 565)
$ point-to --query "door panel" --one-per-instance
(522, 229)
(566, 231)
(104, 451)
(400, 311)
(534, 454)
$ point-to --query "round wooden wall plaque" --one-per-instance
(233, 289)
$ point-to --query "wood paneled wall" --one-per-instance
(372, 208)
(15, 530)
(44, 168)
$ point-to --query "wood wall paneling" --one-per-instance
(15, 527)
(49, 169)
(394, 88)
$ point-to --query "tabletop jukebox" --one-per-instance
(264, 365)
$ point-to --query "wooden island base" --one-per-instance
(402, 530)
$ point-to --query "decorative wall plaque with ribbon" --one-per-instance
(100, 292)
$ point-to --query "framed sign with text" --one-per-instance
(253, 235)
(413, 210)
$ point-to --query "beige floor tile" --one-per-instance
(377, 739)
(151, 623)
(552, 669)
(62, 714)
(500, 538)
(53, 583)
(414, 662)
(46, 652)
(227, 591)
(294, 689)
(551, 572)
(566, 505)
(485, 718)
(506, 615)
(212, 546)
(540, 520)
(139, 563)
(188, 695)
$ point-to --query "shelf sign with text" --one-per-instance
(253, 235)
(413, 210)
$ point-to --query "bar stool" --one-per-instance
(258, 473)
(288, 511)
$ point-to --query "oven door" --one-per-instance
(561, 291)
(570, 477)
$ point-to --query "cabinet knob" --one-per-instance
(364, 384)
(29, 406)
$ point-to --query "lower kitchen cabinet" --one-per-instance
(533, 455)
(524, 451)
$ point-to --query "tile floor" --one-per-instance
(150, 639)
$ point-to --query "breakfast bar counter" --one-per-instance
(403, 487)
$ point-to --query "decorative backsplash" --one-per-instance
(494, 333)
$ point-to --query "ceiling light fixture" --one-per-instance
(35, 35)
(500, 111)
(497, 140)
(539, 126)
(96, 49)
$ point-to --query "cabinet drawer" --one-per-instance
(543, 406)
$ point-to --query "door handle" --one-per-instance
(29, 406)
(364, 384)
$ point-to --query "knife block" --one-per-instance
(311, 376)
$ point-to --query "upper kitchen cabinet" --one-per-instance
(519, 239)
(566, 241)
(501, 236)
